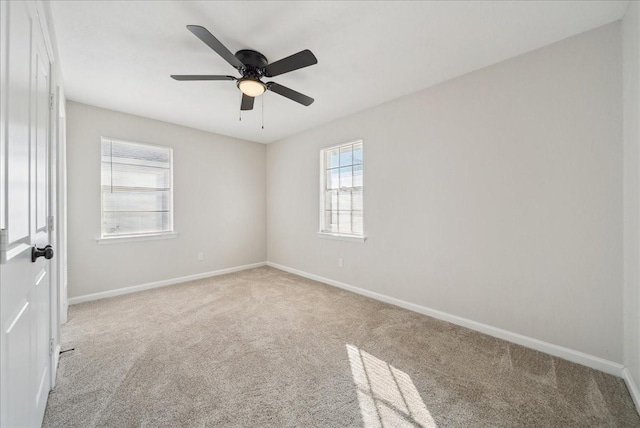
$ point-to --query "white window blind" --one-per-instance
(342, 183)
(137, 196)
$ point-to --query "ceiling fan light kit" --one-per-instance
(253, 65)
(251, 87)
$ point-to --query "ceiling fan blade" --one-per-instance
(247, 102)
(290, 93)
(301, 59)
(215, 44)
(201, 77)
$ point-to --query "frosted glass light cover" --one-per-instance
(251, 88)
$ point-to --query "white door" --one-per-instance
(24, 284)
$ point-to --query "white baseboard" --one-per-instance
(163, 283)
(632, 386)
(529, 342)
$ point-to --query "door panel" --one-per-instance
(42, 335)
(17, 343)
(42, 131)
(19, 44)
(19, 352)
(25, 295)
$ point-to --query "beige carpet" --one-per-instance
(264, 348)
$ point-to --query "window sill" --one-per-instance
(136, 238)
(339, 237)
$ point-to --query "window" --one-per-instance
(341, 201)
(137, 196)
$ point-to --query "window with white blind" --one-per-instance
(137, 198)
(341, 199)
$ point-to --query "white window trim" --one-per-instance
(135, 238)
(342, 237)
(143, 236)
(322, 181)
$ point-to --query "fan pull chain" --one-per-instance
(262, 111)
(240, 112)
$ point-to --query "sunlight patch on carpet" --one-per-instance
(387, 396)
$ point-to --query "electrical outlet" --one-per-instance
(340, 262)
(201, 256)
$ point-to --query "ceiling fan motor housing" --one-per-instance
(254, 61)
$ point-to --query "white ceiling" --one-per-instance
(119, 54)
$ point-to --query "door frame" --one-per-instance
(56, 206)
(60, 117)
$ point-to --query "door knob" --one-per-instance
(47, 252)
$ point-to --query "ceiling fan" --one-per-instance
(252, 65)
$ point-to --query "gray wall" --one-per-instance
(631, 99)
(219, 203)
(496, 196)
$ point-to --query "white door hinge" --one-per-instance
(51, 346)
(52, 223)
(51, 101)
(3, 246)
